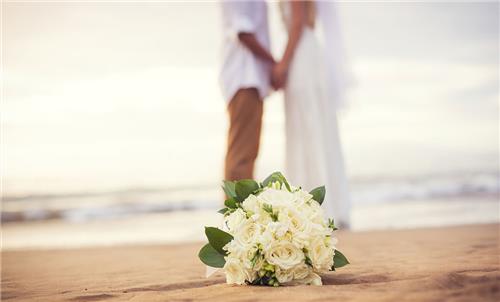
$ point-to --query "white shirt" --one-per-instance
(240, 67)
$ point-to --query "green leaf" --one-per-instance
(244, 188)
(255, 257)
(276, 177)
(318, 194)
(331, 224)
(269, 209)
(308, 261)
(231, 203)
(339, 260)
(211, 257)
(218, 239)
(228, 187)
(223, 211)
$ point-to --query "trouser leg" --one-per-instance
(245, 122)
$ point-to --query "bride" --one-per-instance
(313, 87)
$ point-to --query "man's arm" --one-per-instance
(251, 42)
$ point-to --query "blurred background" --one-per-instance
(113, 126)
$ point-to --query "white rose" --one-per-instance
(302, 196)
(315, 279)
(238, 249)
(284, 254)
(301, 271)
(279, 229)
(235, 219)
(284, 276)
(253, 206)
(266, 238)
(298, 225)
(248, 232)
(313, 211)
(312, 279)
(235, 272)
(301, 239)
(250, 273)
(295, 220)
(261, 217)
(319, 230)
(321, 254)
(277, 198)
(251, 203)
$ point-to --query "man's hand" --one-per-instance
(279, 75)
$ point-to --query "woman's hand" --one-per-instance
(280, 70)
(279, 75)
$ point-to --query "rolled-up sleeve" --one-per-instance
(239, 16)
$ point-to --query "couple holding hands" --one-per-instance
(311, 75)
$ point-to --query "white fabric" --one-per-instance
(240, 67)
(313, 150)
(338, 77)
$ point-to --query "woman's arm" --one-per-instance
(295, 32)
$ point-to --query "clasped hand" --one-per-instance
(279, 74)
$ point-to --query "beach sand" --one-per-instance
(433, 264)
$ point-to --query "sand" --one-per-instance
(434, 264)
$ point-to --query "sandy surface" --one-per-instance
(455, 263)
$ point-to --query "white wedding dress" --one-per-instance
(313, 149)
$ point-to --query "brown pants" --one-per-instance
(245, 121)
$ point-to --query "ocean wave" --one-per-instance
(109, 205)
(437, 186)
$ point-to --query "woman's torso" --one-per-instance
(310, 13)
(308, 56)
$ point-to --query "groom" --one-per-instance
(245, 79)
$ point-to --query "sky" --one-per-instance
(113, 95)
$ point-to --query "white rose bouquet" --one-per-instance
(274, 234)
